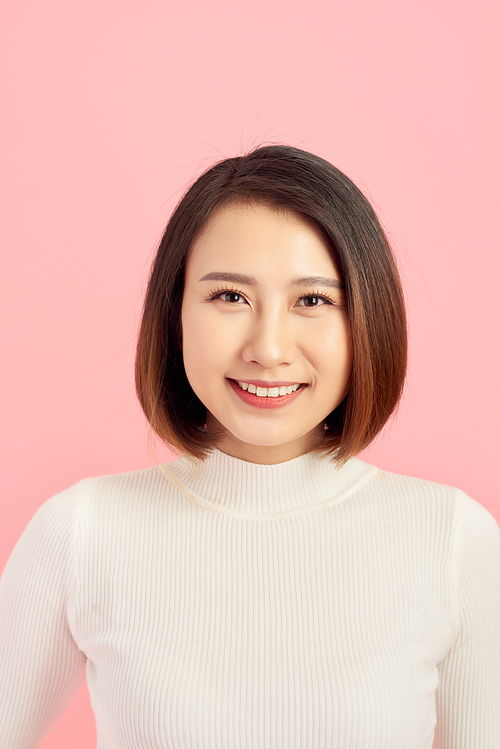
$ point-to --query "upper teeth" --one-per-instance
(269, 392)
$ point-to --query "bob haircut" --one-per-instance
(284, 178)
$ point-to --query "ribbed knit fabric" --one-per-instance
(229, 605)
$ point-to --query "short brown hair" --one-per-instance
(285, 178)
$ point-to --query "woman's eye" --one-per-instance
(231, 296)
(314, 301)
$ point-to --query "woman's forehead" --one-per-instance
(260, 235)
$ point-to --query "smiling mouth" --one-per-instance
(272, 392)
(267, 398)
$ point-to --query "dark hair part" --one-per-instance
(285, 178)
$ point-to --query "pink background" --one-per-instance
(112, 107)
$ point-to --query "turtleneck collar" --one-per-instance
(253, 490)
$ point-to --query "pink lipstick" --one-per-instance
(265, 401)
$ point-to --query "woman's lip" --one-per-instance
(266, 383)
(264, 402)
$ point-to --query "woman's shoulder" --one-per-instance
(112, 491)
(453, 501)
(135, 483)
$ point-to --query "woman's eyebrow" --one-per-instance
(233, 277)
(239, 278)
(334, 283)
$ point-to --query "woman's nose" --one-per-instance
(270, 342)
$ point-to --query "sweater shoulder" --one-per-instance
(62, 516)
(468, 518)
(130, 482)
(413, 486)
(403, 486)
(94, 488)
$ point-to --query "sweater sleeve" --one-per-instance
(468, 695)
(41, 667)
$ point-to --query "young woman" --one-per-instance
(267, 589)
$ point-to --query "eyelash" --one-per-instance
(215, 293)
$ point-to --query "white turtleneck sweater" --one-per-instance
(230, 605)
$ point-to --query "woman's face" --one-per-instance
(264, 305)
